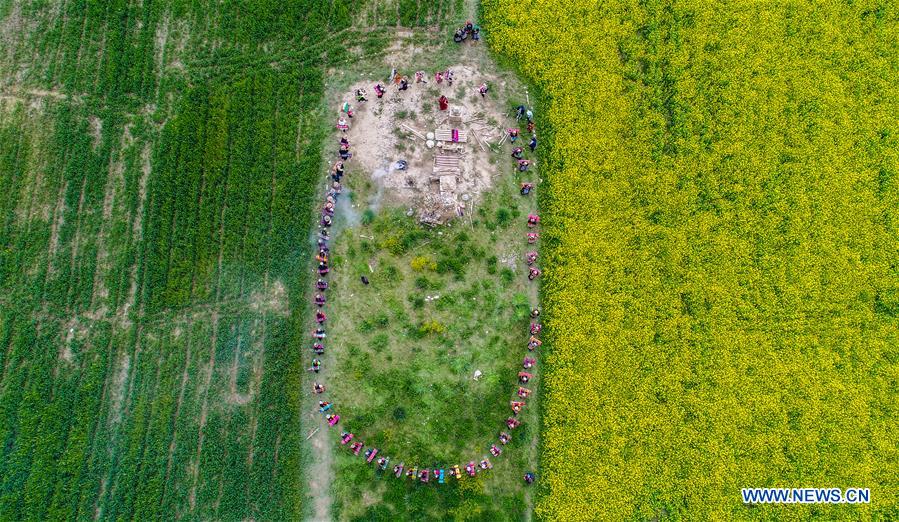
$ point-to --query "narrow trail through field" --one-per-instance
(321, 472)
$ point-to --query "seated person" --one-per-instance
(370, 456)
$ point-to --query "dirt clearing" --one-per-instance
(447, 152)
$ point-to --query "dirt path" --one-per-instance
(321, 471)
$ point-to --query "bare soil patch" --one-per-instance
(123, 368)
(397, 127)
(272, 300)
(96, 130)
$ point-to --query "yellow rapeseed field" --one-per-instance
(720, 224)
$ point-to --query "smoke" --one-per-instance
(374, 202)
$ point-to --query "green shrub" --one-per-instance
(379, 342)
(491, 264)
(390, 273)
(503, 217)
(507, 276)
(381, 320)
(420, 263)
(432, 327)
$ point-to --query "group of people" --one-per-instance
(402, 83)
(517, 151)
(321, 286)
(466, 31)
(322, 257)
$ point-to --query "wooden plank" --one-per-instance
(478, 139)
(446, 160)
(413, 131)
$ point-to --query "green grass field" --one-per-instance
(441, 304)
(157, 163)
